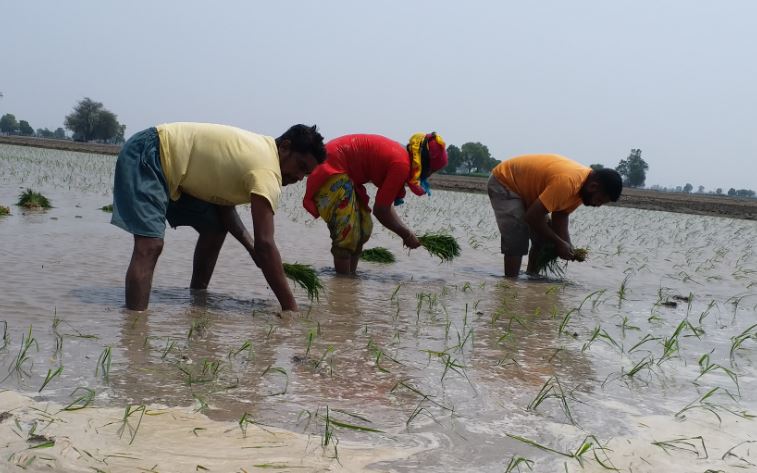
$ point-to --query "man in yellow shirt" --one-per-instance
(194, 174)
(525, 190)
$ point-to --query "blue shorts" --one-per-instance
(141, 203)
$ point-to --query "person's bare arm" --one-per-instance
(536, 218)
(389, 218)
(560, 224)
(267, 254)
(233, 224)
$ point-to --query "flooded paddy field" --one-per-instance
(642, 359)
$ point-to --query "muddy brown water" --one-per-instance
(445, 358)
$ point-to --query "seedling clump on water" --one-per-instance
(304, 276)
(4, 210)
(107, 208)
(378, 255)
(32, 200)
(440, 244)
(548, 263)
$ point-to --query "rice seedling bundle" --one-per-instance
(30, 199)
(548, 263)
(4, 210)
(304, 276)
(440, 244)
(107, 208)
(378, 255)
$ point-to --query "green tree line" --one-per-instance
(88, 121)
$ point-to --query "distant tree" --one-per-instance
(25, 129)
(679, 189)
(59, 133)
(732, 192)
(719, 191)
(476, 157)
(8, 124)
(700, 189)
(454, 159)
(44, 133)
(745, 193)
(91, 121)
(688, 188)
(596, 166)
(633, 169)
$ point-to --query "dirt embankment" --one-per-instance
(699, 204)
(66, 145)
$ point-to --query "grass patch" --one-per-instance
(378, 255)
(304, 276)
(441, 245)
(30, 199)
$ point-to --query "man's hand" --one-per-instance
(565, 251)
(411, 241)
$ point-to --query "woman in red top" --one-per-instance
(336, 189)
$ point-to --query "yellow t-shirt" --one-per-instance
(553, 179)
(218, 163)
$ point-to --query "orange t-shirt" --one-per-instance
(553, 179)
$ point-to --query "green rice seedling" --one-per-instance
(626, 325)
(564, 323)
(548, 263)
(515, 463)
(685, 444)
(552, 389)
(317, 363)
(50, 375)
(17, 366)
(125, 425)
(706, 312)
(83, 400)
(276, 369)
(601, 334)
(4, 211)
(622, 290)
(304, 276)
(246, 346)
(378, 255)
(103, 363)
(198, 326)
(170, 345)
(107, 208)
(441, 245)
(706, 366)
(645, 363)
(589, 443)
(32, 200)
(701, 403)
(596, 295)
(738, 340)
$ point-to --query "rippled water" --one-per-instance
(445, 357)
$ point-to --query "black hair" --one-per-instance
(609, 181)
(305, 139)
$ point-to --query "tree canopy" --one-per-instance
(90, 121)
(469, 158)
(9, 124)
(633, 169)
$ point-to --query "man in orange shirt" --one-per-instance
(525, 190)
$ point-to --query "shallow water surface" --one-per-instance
(455, 366)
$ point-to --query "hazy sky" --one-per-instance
(587, 79)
